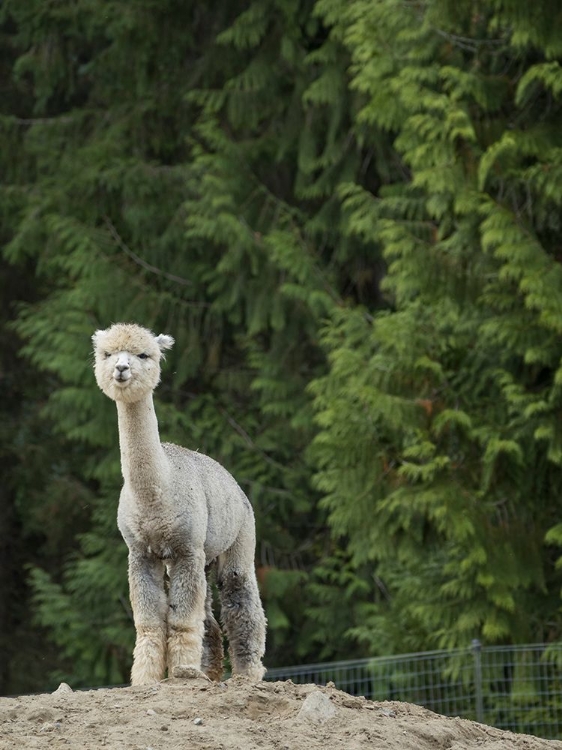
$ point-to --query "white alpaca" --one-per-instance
(180, 512)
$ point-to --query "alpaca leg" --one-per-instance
(213, 652)
(186, 615)
(242, 613)
(149, 604)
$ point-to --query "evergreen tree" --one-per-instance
(232, 175)
(153, 198)
(439, 450)
(97, 216)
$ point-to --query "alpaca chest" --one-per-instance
(160, 537)
(154, 532)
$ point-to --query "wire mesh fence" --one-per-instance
(511, 687)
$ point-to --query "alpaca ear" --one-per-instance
(96, 336)
(164, 341)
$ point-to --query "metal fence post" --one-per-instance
(477, 654)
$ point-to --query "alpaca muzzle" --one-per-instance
(122, 372)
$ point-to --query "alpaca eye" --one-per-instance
(143, 356)
(106, 355)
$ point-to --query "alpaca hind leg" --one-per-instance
(244, 621)
(186, 615)
(149, 604)
(241, 610)
(213, 652)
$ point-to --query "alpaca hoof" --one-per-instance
(189, 673)
(250, 674)
(215, 675)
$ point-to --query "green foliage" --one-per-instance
(451, 400)
(150, 197)
(346, 213)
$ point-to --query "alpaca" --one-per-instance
(181, 514)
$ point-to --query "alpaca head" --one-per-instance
(127, 360)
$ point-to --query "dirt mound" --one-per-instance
(197, 715)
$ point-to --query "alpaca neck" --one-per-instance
(143, 461)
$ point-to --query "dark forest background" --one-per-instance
(348, 215)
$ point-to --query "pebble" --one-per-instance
(198, 721)
(387, 711)
(50, 726)
(151, 712)
(353, 701)
(62, 689)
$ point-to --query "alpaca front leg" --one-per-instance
(149, 604)
(186, 616)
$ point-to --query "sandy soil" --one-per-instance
(198, 715)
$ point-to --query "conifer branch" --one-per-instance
(137, 259)
(467, 43)
(248, 440)
(40, 120)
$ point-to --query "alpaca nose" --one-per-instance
(121, 368)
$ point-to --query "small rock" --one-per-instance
(63, 689)
(48, 726)
(317, 708)
(387, 711)
(151, 712)
(41, 714)
(164, 728)
(198, 721)
(189, 673)
(353, 701)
